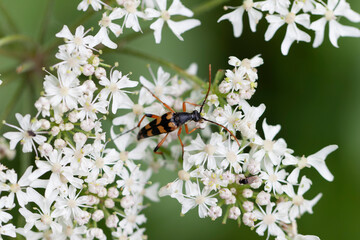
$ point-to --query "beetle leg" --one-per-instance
(187, 129)
(182, 145)
(159, 145)
(165, 105)
(184, 105)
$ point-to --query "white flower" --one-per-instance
(247, 125)
(132, 14)
(299, 204)
(45, 218)
(72, 61)
(69, 205)
(229, 117)
(292, 31)
(95, 4)
(91, 106)
(316, 160)
(273, 178)
(61, 173)
(269, 147)
(207, 152)
(159, 87)
(233, 156)
(235, 17)
(132, 219)
(78, 42)
(16, 187)
(201, 199)
(331, 12)
(163, 15)
(27, 135)
(113, 87)
(269, 219)
(63, 90)
(8, 230)
(273, 5)
(106, 22)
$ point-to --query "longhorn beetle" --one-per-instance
(172, 120)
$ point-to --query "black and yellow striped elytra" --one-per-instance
(168, 122)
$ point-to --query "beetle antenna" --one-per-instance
(207, 94)
(223, 128)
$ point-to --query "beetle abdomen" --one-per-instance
(163, 124)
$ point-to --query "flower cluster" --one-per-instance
(255, 182)
(130, 12)
(89, 181)
(294, 14)
(81, 179)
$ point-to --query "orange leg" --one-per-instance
(159, 145)
(182, 145)
(184, 105)
(165, 105)
(187, 129)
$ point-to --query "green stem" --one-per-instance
(10, 54)
(15, 38)
(46, 20)
(208, 6)
(165, 63)
(12, 103)
(8, 18)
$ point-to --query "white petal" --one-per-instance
(182, 26)
(270, 131)
(65, 33)
(157, 27)
(319, 28)
(235, 17)
(275, 23)
(177, 8)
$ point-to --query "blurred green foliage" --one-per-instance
(313, 93)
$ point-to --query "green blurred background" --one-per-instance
(314, 94)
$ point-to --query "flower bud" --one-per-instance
(215, 212)
(87, 125)
(45, 124)
(256, 182)
(89, 86)
(225, 193)
(127, 202)
(263, 198)
(100, 72)
(248, 206)
(73, 116)
(97, 215)
(224, 87)
(113, 192)
(233, 99)
(248, 219)
(80, 138)
(253, 167)
(101, 191)
(45, 149)
(55, 130)
(112, 221)
(230, 200)
(234, 213)
(59, 143)
(88, 70)
(247, 193)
